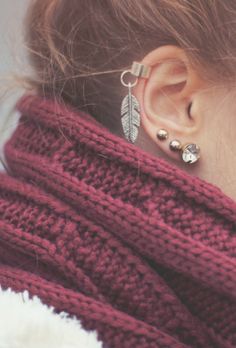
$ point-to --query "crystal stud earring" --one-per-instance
(190, 153)
(162, 134)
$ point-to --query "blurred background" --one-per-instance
(13, 62)
(12, 55)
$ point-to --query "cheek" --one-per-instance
(219, 111)
(223, 106)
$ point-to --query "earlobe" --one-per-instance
(165, 98)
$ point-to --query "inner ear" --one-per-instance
(174, 88)
(165, 96)
(168, 78)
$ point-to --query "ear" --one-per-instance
(168, 98)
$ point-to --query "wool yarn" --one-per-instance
(134, 247)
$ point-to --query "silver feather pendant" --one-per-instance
(130, 116)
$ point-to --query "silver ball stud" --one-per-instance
(162, 134)
(175, 145)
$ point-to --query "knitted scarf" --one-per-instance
(132, 246)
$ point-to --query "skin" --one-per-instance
(165, 98)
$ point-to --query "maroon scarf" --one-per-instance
(131, 245)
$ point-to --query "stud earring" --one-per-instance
(162, 134)
(130, 108)
(175, 145)
(190, 153)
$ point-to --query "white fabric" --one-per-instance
(9, 118)
(27, 323)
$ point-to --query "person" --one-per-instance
(117, 200)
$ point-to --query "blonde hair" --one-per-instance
(78, 48)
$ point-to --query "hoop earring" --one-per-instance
(130, 107)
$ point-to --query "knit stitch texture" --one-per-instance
(134, 247)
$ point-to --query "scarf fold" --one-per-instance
(134, 247)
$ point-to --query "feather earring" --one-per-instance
(130, 108)
(130, 115)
